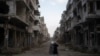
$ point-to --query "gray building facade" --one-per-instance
(19, 25)
(80, 24)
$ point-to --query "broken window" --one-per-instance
(91, 7)
(11, 39)
(78, 18)
(36, 12)
(98, 29)
(1, 37)
(98, 5)
(84, 8)
(75, 13)
(4, 8)
(36, 22)
(92, 37)
(98, 36)
(35, 33)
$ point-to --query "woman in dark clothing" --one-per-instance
(53, 49)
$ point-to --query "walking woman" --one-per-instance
(53, 50)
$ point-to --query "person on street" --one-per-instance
(53, 49)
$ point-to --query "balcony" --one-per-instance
(37, 18)
(13, 10)
(92, 17)
(36, 28)
(36, 12)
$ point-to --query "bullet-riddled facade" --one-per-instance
(19, 21)
(41, 32)
(80, 24)
(56, 36)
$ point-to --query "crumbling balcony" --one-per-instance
(36, 28)
(36, 12)
(36, 23)
(10, 10)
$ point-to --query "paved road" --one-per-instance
(43, 51)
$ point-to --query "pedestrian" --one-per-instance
(53, 50)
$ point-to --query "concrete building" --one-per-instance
(56, 36)
(41, 32)
(19, 24)
(80, 24)
(44, 31)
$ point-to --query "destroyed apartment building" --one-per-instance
(80, 25)
(19, 25)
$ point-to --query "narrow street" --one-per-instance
(26, 24)
(43, 51)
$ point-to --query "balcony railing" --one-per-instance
(36, 28)
(37, 17)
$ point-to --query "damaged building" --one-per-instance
(41, 34)
(19, 27)
(43, 31)
(80, 24)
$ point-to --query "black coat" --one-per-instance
(53, 49)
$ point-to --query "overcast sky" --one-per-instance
(52, 10)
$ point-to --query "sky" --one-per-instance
(52, 10)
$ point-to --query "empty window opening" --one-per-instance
(93, 39)
(36, 22)
(78, 18)
(36, 12)
(98, 29)
(84, 8)
(4, 8)
(1, 37)
(35, 33)
(98, 5)
(75, 13)
(98, 36)
(91, 27)
(11, 38)
(91, 7)
(86, 37)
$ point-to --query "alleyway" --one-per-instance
(23, 26)
(43, 51)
